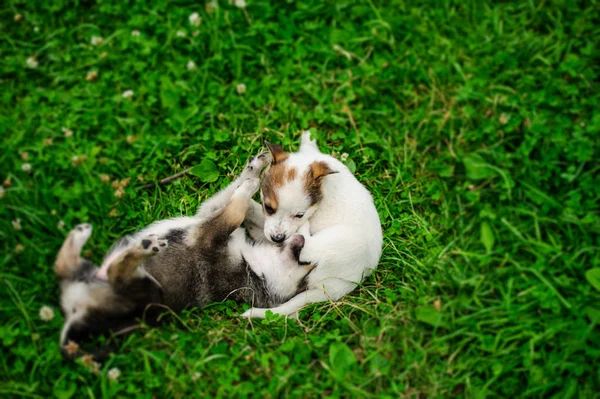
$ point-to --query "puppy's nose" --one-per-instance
(278, 237)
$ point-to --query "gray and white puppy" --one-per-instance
(175, 264)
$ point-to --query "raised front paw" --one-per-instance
(256, 164)
(248, 188)
(151, 245)
(81, 233)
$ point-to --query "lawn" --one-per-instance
(475, 124)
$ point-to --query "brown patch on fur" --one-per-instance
(313, 179)
(68, 258)
(211, 233)
(277, 152)
(274, 177)
(124, 266)
(291, 174)
(269, 197)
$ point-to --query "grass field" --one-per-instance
(475, 124)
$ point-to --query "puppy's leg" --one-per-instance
(217, 230)
(255, 221)
(218, 201)
(290, 307)
(123, 268)
(69, 256)
(306, 144)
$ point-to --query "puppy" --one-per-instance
(344, 238)
(174, 264)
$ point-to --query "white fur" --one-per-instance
(75, 301)
(281, 271)
(346, 239)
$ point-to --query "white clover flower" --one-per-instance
(241, 88)
(180, 33)
(240, 3)
(18, 17)
(191, 65)
(86, 360)
(32, 62)
(114, 374)
(67, 132)
(196, 376)
(211, 6)
(26, 167)
(95, 367)
(60, 225)
(78, 160)
(91, 76)
(344, 157)
(2, 192)
(46, 313)
(97, 40)
(127, 94)
(19, 248)
(16, 224)
(24, 156)
(135, 33)
(195, 33)
(195, 19)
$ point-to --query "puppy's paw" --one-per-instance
(248, 188)
(256, 164)
(254, 313)
(81, 233)
(151, 245)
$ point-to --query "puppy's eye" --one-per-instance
(299, 215)
(269, 210)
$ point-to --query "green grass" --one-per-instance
(474, 124)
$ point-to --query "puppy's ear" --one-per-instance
(277, 152)
(319, 170)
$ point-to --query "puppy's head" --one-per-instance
(95, 307)
(290, 192)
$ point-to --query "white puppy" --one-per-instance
(346, 239)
